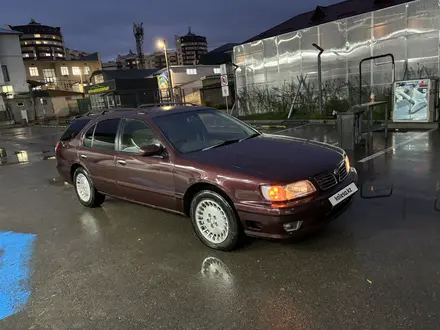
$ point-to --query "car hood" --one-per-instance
(273, 158)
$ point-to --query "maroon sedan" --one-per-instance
(196, 161)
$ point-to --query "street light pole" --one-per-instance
(321, 50)
(168, 70)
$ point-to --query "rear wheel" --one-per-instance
(214, 221)
(85, 191)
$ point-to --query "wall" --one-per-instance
(179, 75)
(409, 31)
(65, 106)
(10, 55)
(212, 96)
(44, 111)
(63, 82)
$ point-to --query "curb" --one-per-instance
(269, 126)
(51, 126)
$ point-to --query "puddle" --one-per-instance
(23, 156)
(17, 158)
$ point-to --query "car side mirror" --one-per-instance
(151, 150)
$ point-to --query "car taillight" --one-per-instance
(57, 146)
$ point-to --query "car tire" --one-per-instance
(215, 221)
(85, 190)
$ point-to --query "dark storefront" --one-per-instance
(123, 92)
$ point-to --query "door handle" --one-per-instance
(121, 162)
(83, 156)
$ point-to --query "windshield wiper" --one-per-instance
(224, 143)
(250, 137)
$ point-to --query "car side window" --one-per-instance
(104, 135)
(88, 137)
(137, 134)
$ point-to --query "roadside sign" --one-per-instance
(225, 91)
(223, 70)
(224, 80)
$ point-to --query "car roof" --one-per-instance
(147, 112)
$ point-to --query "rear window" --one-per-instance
(75, 127)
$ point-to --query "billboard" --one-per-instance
(163, 80)
(411, 100)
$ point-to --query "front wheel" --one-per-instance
(214, 221)
(85, 190)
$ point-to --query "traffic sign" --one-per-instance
(224, 80)
(225, 91)
(223, 69)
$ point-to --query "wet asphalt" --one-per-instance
(124, 266)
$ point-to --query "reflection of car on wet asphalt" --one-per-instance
(226, 176)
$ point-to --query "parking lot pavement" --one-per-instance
(124, 266)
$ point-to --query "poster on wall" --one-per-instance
(411, 100)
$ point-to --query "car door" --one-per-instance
(98, 154)
(148, 180)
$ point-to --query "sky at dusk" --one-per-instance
(106, 26)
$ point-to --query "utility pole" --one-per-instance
(138, 31)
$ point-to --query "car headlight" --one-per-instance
(288, 192)
(347, 164)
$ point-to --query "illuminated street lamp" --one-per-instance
(163, 45)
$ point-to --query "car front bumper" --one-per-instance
(267, 221)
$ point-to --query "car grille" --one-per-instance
(326, 181)
(342, 172)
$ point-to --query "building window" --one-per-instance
(37, 35)
(33, 71)
(99, 79)
(49, 76)
(26, 55)
(60, 55)
(38, 42)
(5, 73)
(191, 71)
(76, 71)
(9, 91)
(217, 71)
(86, 70)
(64, 70)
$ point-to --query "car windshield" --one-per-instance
(202, 130)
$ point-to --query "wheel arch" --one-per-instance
(73, 168)
(200, 186)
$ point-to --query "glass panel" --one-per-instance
(271, 60)
(308, 52)
(257, 63)
(423, 16)
(289, 57)
(333, 40)
(409, 31)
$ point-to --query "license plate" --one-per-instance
(343, 194)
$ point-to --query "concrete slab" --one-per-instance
(125, 266)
